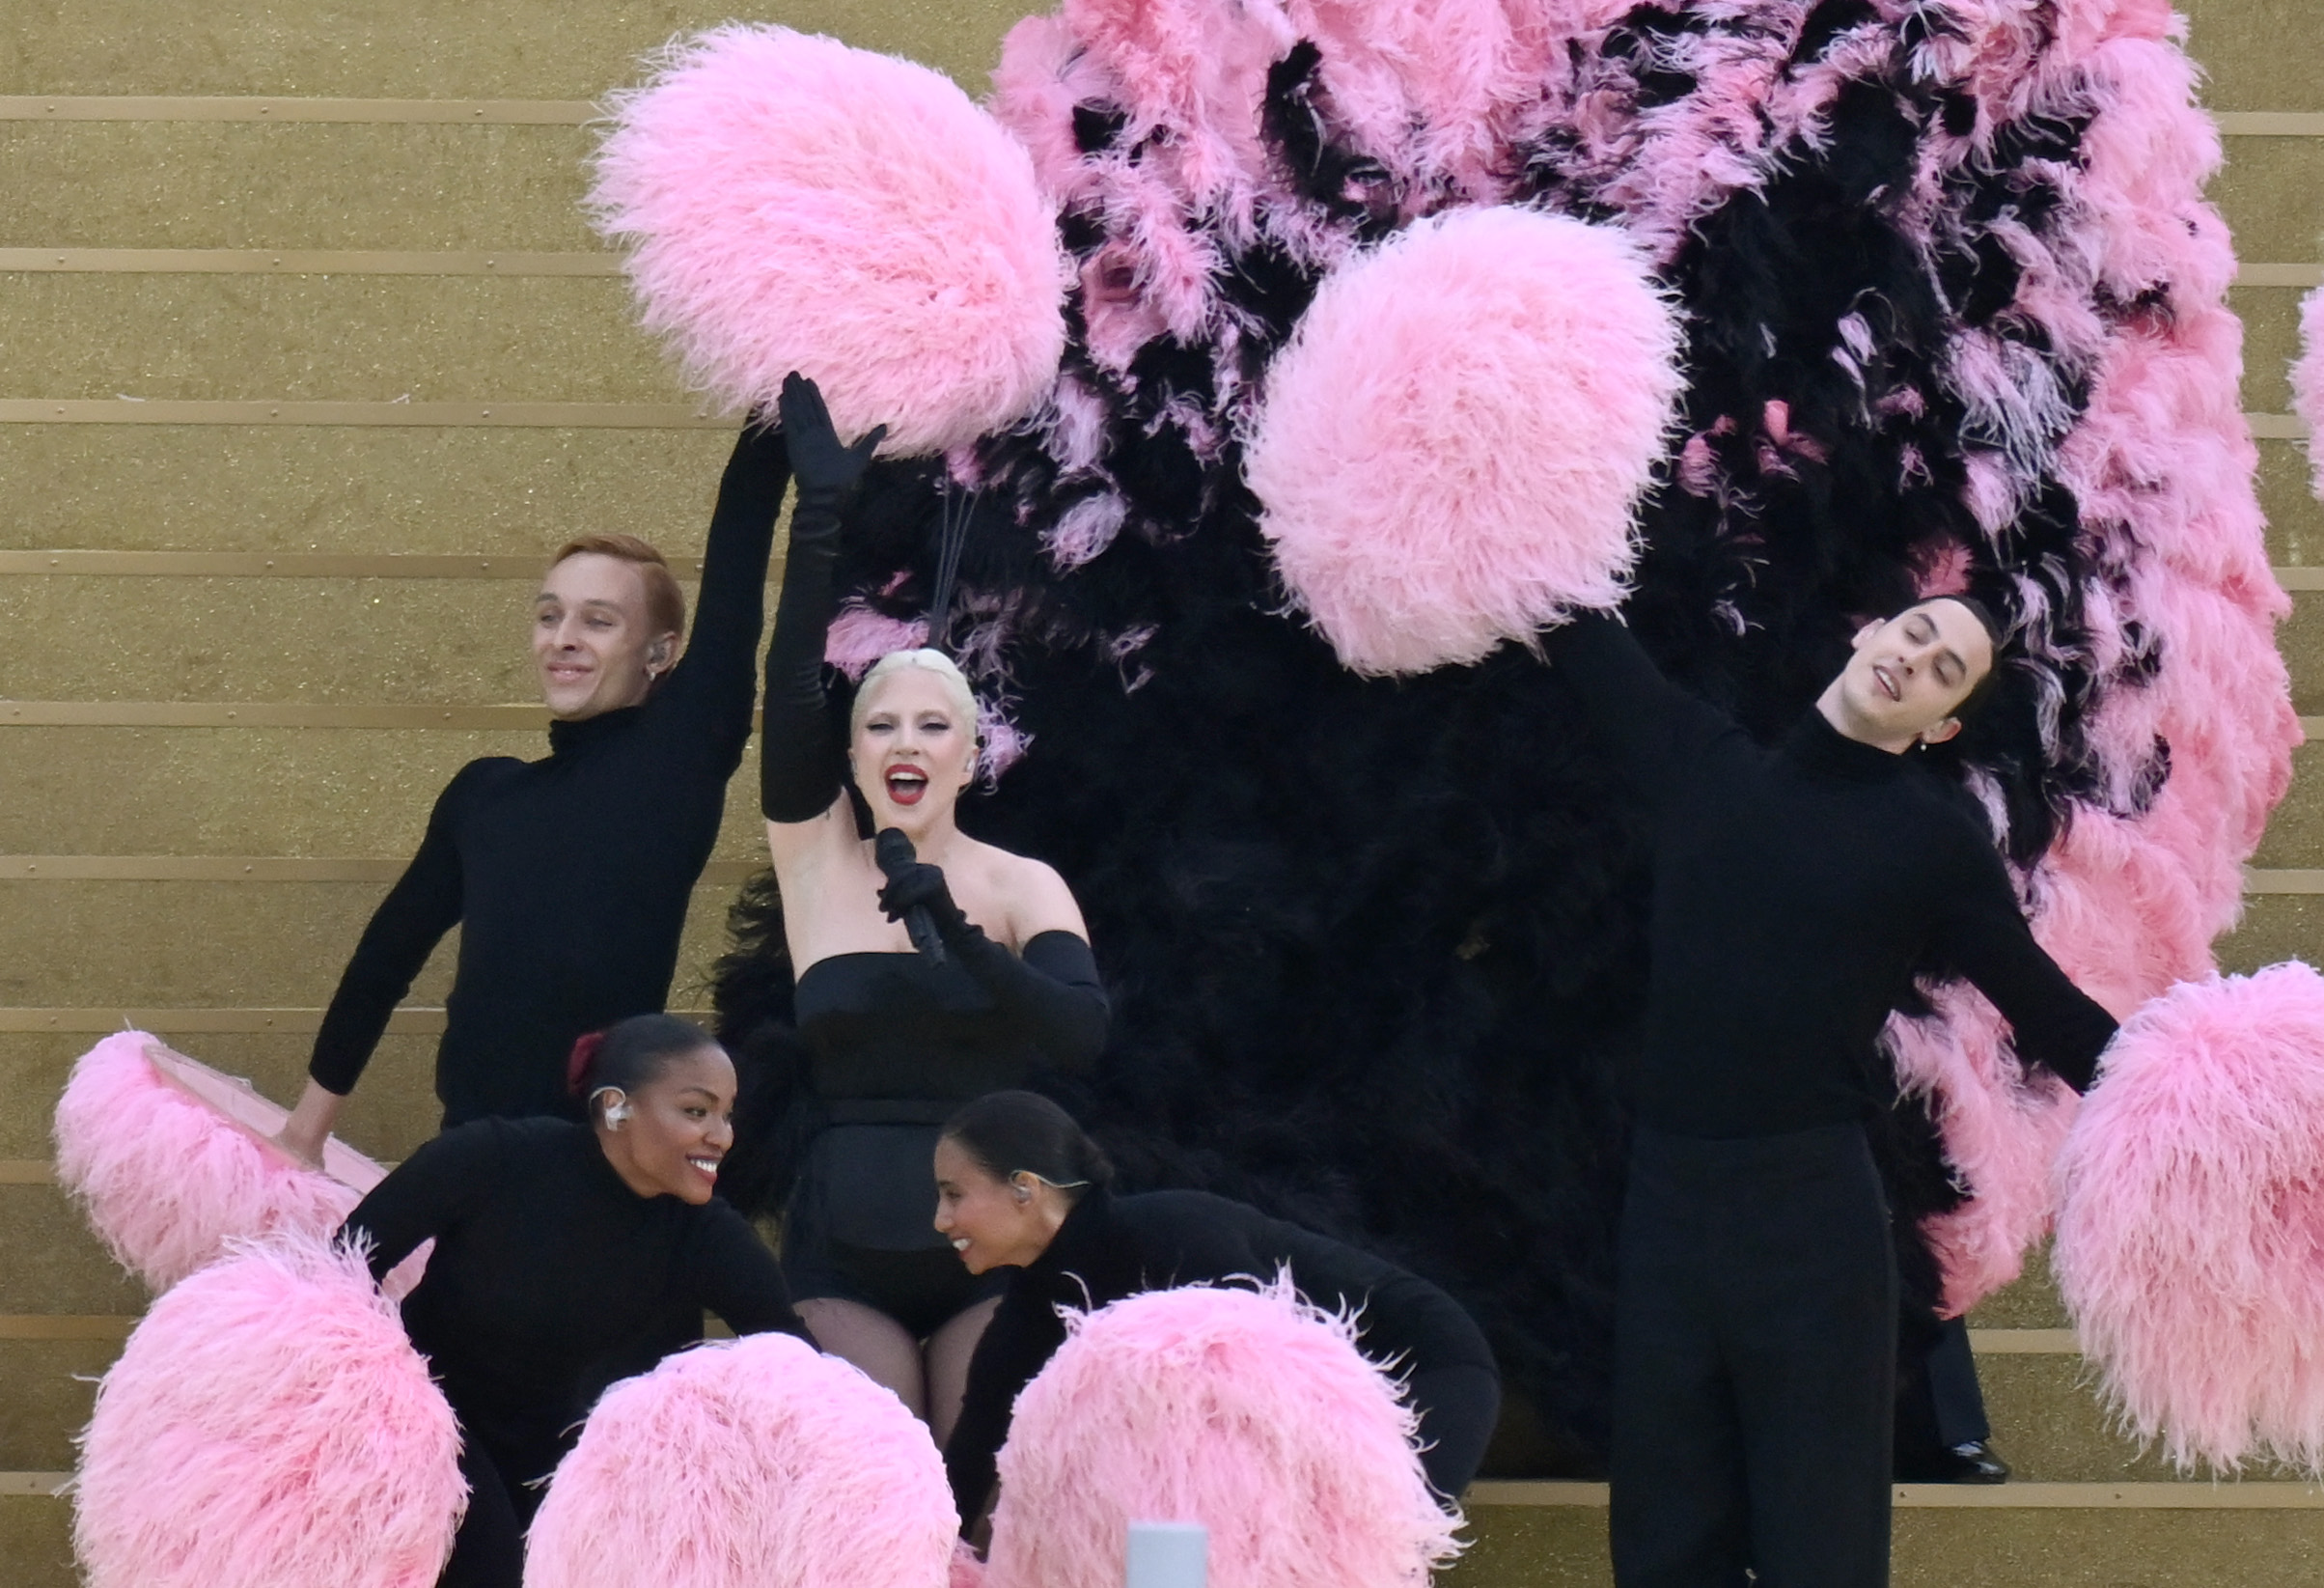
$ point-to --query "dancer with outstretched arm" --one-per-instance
(569, 877)
(899, 1037)
(568, 1256)
(1797, 893)
(1022, 1190)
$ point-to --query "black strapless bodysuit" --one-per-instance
(898, 1044)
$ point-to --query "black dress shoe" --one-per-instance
(1976, 1462)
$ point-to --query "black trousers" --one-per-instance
(1753, 1364)
(1458, 1406)
(488, 1550)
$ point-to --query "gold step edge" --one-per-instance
(334, 412)
(257, 868)
(360, 262)
(283, 107)
(67, 562)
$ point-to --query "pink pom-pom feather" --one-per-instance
(799, 205)
(742, 1463)
(269, 1426)
(2191, 1225)
(170, 1161)
(1243, 1411)
(2307, 384)
(1452, 447)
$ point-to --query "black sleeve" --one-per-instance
(731, 1273)
(802, 749)
(1984, 937)
(1401, 1319)
(1648, 722)
(1053, 990)
(428, 1192)
(1017, 1345)
(423, 905)
(712, 681)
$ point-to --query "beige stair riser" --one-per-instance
(391, 1112)
(49, 1262)
(2271, 194)
(248, 184)
(517, 492)
(149, 945)
(45, 1392)
(348, 338)
(2271, 328)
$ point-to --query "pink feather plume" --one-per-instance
(169, 1160)
(1452, 447)
(1244, 1410)
(799, 205)
(2191, 1228)
(2308, 382)
(743, 1464)
(269, 1426)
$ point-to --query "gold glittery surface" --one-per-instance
(50, 1263)
(36, 1540)
(2301, 639)
(2295, 520)
(2271, 194)
(2271, 340)
(2274, 927)
(2030, 1303)
(390, 1113)
(438, 49)
(564, 339)
(2295, 831)
(228, 944)
(249, 185)
(54, 1385)
(222, 488)
(2256, 54)
(2109, 1548)
(327, 792)
(2058, 1433)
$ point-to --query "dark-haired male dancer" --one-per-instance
(1798, 891)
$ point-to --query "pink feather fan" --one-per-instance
(269, 1426)
(2191, 1227)
(743, 1464)
(798, 204)
(1453, 446)
(1244, 1410)
(2308, 383)
(171, 1159)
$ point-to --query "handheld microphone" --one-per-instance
(896, 855)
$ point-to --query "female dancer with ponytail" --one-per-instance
(899, 1039)
(567, 1256)
(1021, 1188)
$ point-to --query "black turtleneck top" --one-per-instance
(570, 875)
(551, 1278)
(1798, 892)
(1114, 1247)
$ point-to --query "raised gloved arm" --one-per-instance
(802, 756)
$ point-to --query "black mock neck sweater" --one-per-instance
(551, 1278)
(1798, 892)
(569, 877)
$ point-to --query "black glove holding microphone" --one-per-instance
(802, 752)
(1053, 990)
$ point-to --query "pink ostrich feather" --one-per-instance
(168, 1177)
(799, 205)
(1244, 1410)
(1451, 448)
(2308, 383)
(269, 1426)
(2191, 1230)
(743, 1464)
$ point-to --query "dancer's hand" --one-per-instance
(920, 885)
(820, 461)
(305, 1133)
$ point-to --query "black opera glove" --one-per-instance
(1053, 988)
(826, 469)
(922, 887)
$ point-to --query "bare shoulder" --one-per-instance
(1031, 893)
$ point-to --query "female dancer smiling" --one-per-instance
(899, 1039)
(568, 1256)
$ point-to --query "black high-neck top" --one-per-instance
(569, 877)
(551, 1278)
(1798, 892)
(1114, 1247)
